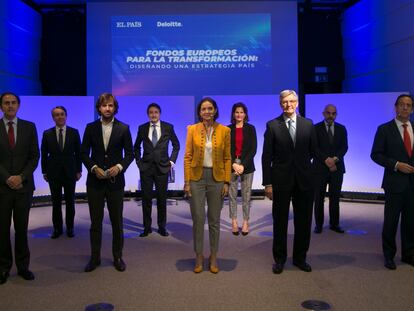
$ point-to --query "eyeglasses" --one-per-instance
(292, 101)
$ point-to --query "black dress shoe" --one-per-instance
(337, 229)
(70, 233)
(317, 230)
(389, 264)
(4, 276)
(26, 274)
(304, 266)
(92, 265)
(408, 260)
(145, 233)
(56, 234)
(244, 233)
(163, 232)
(119, 264)
(277, 268)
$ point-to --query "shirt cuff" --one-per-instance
(120, 167)
(395, 166)
(93, 167)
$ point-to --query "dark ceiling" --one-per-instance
(314, 4)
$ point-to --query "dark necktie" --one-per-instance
(12, 142)
(330, 135)
(154, 135)
(407, 141)
(61, 139)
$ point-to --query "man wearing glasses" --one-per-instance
(288, 148)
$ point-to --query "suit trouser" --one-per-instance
(115, 204)
(150, 177)
(246, 181)
(14, 205)
(206, 188)
(68, 186)
(397, 204)
(302, 218)
(334, 180)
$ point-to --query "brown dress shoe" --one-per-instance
(198, 264)
(213, 264)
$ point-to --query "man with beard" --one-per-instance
(106, 152)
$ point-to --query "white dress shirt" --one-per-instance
(6, 124)
(63, 134)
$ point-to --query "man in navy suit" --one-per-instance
(332, 145)
(19, 156)
(154, 165)
(393, 149)
(288, 148)
(61, 168)
(106, 152)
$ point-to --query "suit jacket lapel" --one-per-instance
(20, 133)
(284, 130)
(397, 133)
(325, 132)
(146, 133)
(55, 139)
(163, 131)
(68, 138)
(412, 126)
(99, 133)
(3, 133)
(113, 133)
(299, 128)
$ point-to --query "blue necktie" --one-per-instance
(154, 135)
(292, 130)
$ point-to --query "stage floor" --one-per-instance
(348, 270)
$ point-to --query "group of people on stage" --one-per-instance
(299, 160)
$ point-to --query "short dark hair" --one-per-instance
(105, 97)
(210, 100)
(233, 110)
(60, 107)
(155, 105)
(402, 96)
(9, 93)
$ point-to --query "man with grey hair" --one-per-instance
(332, 145)
(288, 148)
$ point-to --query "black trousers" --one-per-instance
(397, 204)
(68, 185)
(14, 205)
(150, 177)
(334, 180)
(302, 218)
(115, 204)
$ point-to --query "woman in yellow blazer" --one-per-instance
(207, 171)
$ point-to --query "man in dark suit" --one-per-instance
(106, 152)
(19, 156)
(154, 165)
(288, 148)
(393, 149)
(332, 144)
(61, 168)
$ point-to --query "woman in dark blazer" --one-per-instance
(243, 150)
